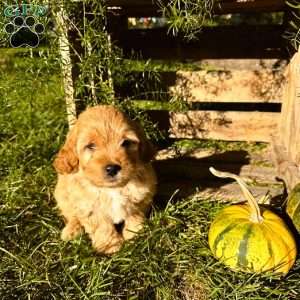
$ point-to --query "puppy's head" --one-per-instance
(105, 146)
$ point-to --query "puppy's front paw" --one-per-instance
(132, 226)
(109, 245)
(70, 232)
(112, 249)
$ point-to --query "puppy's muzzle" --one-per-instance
(112, 170)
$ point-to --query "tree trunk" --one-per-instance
(66, 63)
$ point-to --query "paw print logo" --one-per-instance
(24, 32)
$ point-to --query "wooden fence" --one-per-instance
(219, 42)
(232, 122)
(286, 139)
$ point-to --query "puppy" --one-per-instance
(105, 179)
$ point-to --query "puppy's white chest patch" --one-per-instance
(118, 204)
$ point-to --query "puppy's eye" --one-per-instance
(90, 146)
(127, 143)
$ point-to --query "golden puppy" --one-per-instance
(105, 180)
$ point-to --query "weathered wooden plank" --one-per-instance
(229, 126)
(286, 142)
(290, 118)
(222, 192)
(285, 121)
(140, 8)
(198, 169)
(228, 85)
(225, 80)
(286, 169)
(247, 41)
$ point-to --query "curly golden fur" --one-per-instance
(105, 179)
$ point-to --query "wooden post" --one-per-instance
(286, 144)
(294, 96)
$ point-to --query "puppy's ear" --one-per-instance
(66, 160)
(146, 149)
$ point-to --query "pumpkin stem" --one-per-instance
(255, 215)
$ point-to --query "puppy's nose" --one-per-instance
(112, 170)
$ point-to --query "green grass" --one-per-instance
(220, 146)
(159, 105)
(140, 65)
(169, 259)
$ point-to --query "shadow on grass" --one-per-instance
(181, 177)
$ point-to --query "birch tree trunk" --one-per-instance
(66, 63)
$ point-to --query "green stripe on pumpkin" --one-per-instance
(243, 248)
(220, 236)
(270, 250)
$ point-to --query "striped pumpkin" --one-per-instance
(293, 206)
(249, 238)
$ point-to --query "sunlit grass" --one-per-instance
(169, 259)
